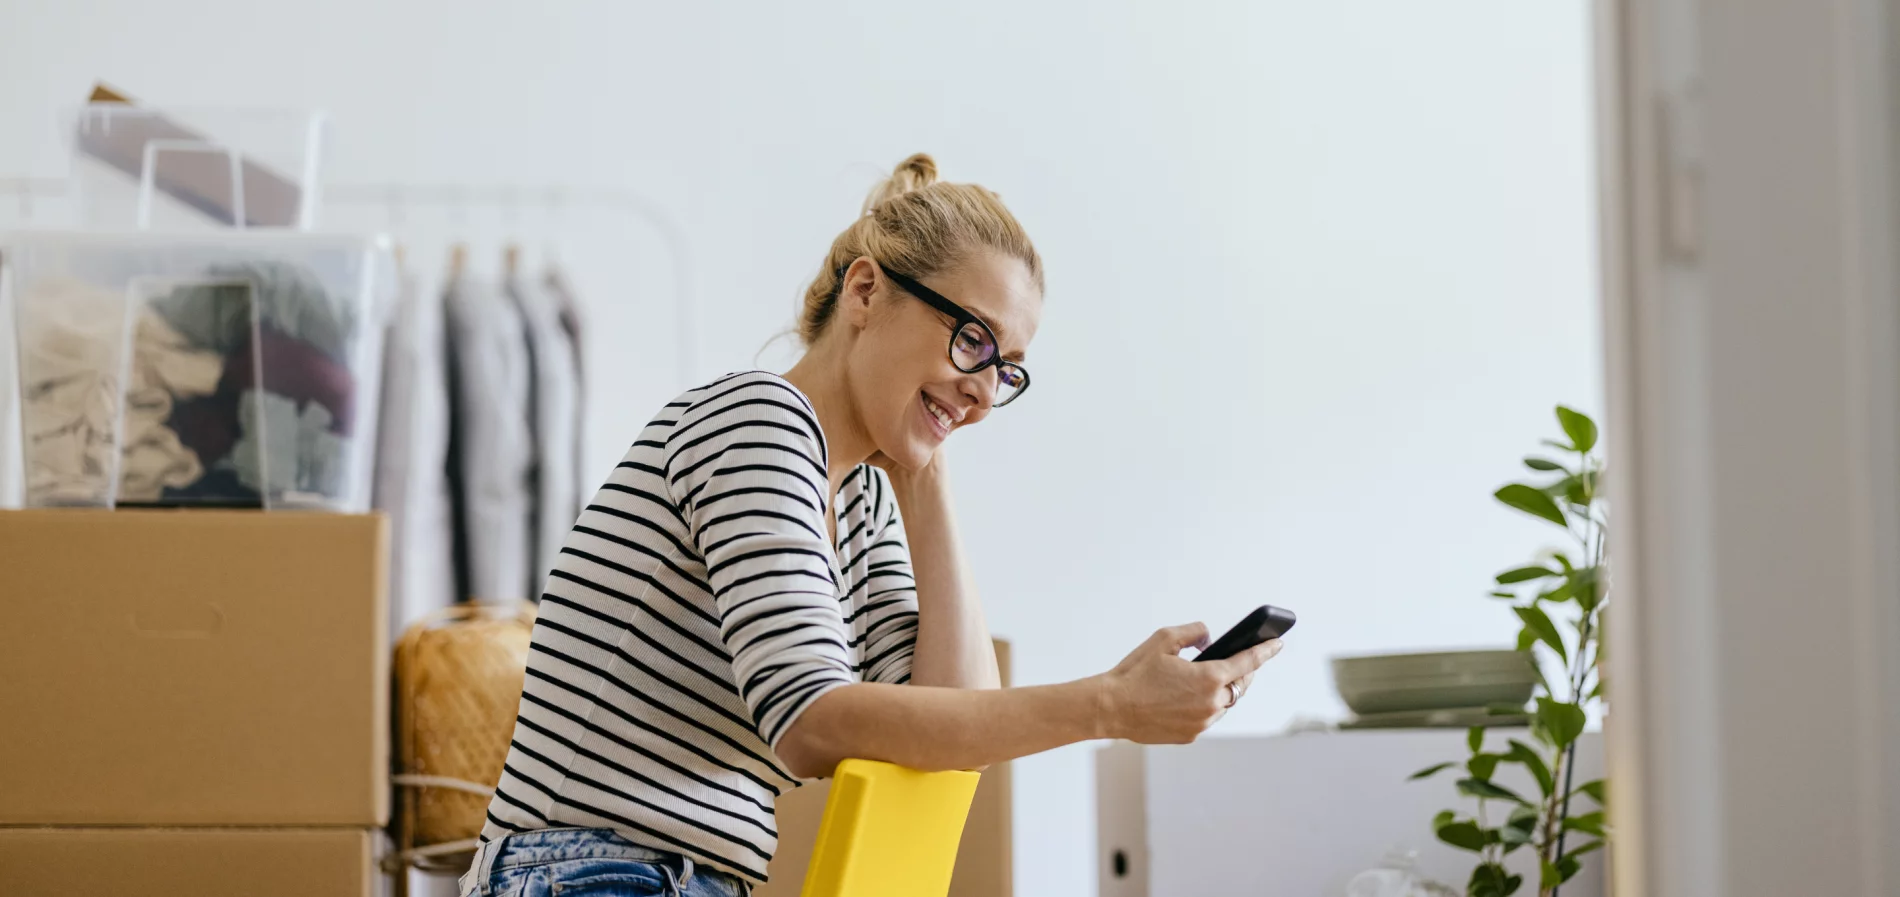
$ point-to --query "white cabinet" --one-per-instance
(1294, 815)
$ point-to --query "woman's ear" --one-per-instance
(859, 290)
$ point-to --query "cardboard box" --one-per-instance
(984, 862)
(193, 668)
(207, 862)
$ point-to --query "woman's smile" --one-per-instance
(940, 420)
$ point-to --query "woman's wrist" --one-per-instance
(930, 482)
(1097, 694)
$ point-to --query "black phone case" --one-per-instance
(1266, 622)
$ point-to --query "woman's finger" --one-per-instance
(1249, 660)
(1174, 638)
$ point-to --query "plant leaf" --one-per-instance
(1430, 771)
(1562, 721)
(1588, 823)
(1595, 790)
(1583, 587)
(1508, 596)
(1444, 818)
(1474, 739)
(1520, 828)
(1579, 427)
(1525, 639)
(1525, 574)
(1544, 464)
(1585, 849)
(1526, 756)
(1483, 765)
(1492, 880)
(1558, 488)
(1538, 622)
(1567, 868)
(1483, 789)
(1529, 500)
(1551, 877)
(1560, 446)
(1560, 594)
(1575, 492)
(1465, 835)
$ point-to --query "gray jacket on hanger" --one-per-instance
(556, 410)
(492, 453)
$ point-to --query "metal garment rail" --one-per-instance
(394, 198)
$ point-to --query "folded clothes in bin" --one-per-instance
(71, 402)
(177, 373)
(299, 357)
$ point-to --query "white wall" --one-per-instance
(1317, 270)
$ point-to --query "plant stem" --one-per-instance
(1593, 550)
(1568, 757)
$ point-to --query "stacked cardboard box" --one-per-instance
(195, 703)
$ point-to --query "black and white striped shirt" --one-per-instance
(695, 611)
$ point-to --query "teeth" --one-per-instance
(942, 416)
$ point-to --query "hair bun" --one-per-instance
(915, 173)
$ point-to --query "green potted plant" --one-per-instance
(1559, 601)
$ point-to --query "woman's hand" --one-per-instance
(902, 475)
(1154, 696)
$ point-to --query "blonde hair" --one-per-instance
(916, 225)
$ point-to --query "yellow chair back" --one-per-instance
(889, 831)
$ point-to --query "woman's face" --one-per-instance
(909, 393)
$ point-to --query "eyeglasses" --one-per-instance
(972, 345)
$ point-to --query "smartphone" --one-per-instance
(1266, 622)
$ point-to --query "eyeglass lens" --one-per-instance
(972, 349)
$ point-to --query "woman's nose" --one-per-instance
(981, 387)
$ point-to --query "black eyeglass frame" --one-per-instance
(963, 318)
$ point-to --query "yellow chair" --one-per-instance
(889, 831)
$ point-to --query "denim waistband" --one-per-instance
(551, 845)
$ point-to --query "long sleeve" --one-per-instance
(697, 609)
(890, 607)
(747, 468)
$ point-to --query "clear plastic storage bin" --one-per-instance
(234, 369)
(189, 169)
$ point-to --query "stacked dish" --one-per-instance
(1450, 688)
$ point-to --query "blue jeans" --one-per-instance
(589, 862)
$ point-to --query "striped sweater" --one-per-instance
(694, 612)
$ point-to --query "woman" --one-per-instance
(771, 582)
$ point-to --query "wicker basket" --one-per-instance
(458, 676)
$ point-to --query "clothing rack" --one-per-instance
(394, 198)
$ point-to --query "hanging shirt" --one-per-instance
(491, 450)
(413, 442)
(695, 611)
(555, 408)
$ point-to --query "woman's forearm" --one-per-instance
(953, 642)
(934, 729)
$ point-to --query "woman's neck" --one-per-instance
(820, 376)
